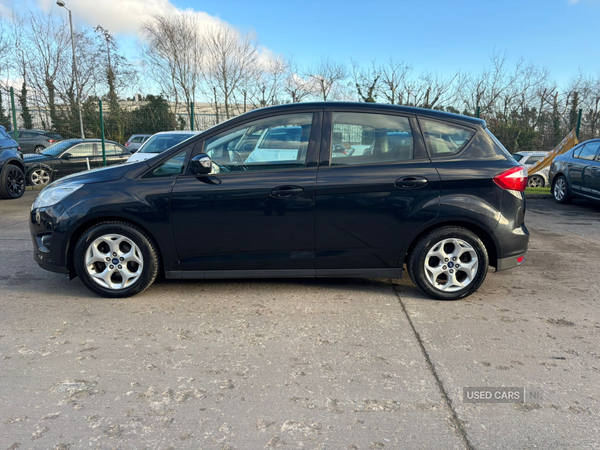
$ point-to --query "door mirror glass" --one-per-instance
(201, 164)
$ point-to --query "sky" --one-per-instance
(437, 36)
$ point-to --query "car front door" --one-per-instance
(78, 158)
(581, 169)
(253, 216)
(371, 198)
(593, 174)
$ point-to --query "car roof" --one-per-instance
(79, 141)
(532, 153)
(360, 106)
(177, 132)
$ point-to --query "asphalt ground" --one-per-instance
(314, 364)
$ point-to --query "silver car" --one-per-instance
(136, 141)
(528, 159)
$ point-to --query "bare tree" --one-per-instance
(366, 81)
(174, 52)
(326, 76)
(296, 87)
(231, 65)
(394, 75)
(269, 83)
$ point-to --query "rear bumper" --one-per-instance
(509, 263)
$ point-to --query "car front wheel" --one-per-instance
(12, 182)
(116, 259)
(560, 190)
(449, 263)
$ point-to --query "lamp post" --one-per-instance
(61, 3)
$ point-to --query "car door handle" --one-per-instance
(411, 182)
(287, 192)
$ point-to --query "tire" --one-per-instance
(560, 190)
(12, 182)
(39, 149)
(39, 176)
(535, 181)
(128, 241)
(471, 253)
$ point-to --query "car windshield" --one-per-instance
(161, 142)
(56, 149)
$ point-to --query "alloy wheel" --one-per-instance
(451, 265)
(114, 261)
(39, 177)
(15, 182)
(535, 182)
(560, 188)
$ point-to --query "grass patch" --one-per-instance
(540, 190)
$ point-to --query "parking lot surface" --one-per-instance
(315, 364)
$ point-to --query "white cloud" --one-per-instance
(122, 16)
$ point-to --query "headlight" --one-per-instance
(54, 194)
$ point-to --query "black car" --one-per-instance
(12, 170)
(71, 156)
(576, 173)
(430, 190)
(35, 141)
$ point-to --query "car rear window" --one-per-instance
(137, 139)
(444, 139)
(161, 142)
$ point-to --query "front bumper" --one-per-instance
(49, 228)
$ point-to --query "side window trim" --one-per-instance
(450, 123)
(419, 149)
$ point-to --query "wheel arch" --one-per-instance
(15, 162)
(84, 226)
(484, 233)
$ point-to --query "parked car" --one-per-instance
(160, 142)
(35, 141)
(447, 207)
(12, 170)
(528, 159)
(136, 141)
(71, 156)
(576, 173)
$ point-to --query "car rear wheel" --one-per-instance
(560, 190)
(116, 259)
(12, 182)
(535, 181)
(39, 177)
(449, 263)
(39, 149)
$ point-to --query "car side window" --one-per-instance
(85, 150)
(172, 166)
(589, 151)
(279, 142)
(110, 149)
(363, 138)
(444, 139)
(534, 159)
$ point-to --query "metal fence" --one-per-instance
(42, 128)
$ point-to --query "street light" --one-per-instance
(61, 3)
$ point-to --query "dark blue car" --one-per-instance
(576, 173)
(12, 170)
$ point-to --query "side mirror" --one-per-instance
(201, 164)
(66, 156)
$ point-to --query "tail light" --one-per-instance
(126, 144)
(51, 140)
(514, 179)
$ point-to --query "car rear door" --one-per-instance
(371, 199)
(581, 168)
(252, 216)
